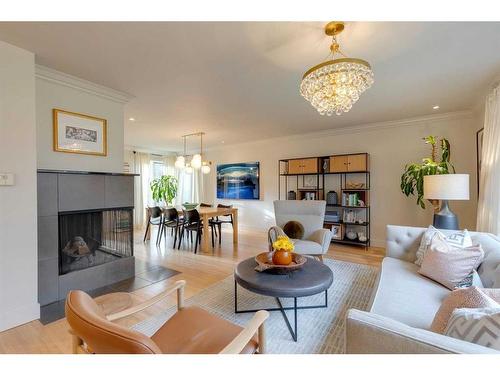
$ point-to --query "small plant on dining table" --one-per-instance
(283, 248)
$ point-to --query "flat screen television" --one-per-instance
(238, 181)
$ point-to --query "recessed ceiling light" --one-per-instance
(131, 119)
(222, 141)
(435, 107)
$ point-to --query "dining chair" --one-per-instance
(155, 218)
(171, 220)
(190, 330)
(217, 223)
(192, 223)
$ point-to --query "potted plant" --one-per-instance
(164, 189)
(283, 248)
(412, 180)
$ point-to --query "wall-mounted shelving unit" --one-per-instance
(316, 178)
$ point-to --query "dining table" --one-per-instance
(207, 213)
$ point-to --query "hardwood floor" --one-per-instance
(200, 271)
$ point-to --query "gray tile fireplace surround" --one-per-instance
(68, 191)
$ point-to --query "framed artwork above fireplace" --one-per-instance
(80, 134)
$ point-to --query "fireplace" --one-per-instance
(94, 237)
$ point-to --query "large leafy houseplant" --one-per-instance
(164, 189)
(412, 180)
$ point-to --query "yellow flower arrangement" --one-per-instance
(283, 243)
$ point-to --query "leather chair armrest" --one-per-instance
(255, 325)
(178, 286)
(323, 237)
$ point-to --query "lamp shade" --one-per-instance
(447, 187)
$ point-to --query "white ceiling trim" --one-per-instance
(61, 78)
(413, 121)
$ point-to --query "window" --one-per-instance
(157, 169)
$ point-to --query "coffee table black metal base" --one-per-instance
(293, 331)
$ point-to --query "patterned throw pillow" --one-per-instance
(458, 239)
(464, 298)
(448, 265)
(479, 326)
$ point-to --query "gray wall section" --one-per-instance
(47, 194)
(48, 241)
(119, 191)
(96, 277)
(80, 192)
(59, 192)
(48, 281)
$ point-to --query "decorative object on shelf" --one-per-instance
(265, 263)
(79, 134)
(331, 198)
(362, 237)
(332, 215)
(412, 180)
(361, 203)
(164, 189)
(350, 216)
(310, 181)
(238, 181)
(351, 235)
(283, 248)
(292, 195)
(336, 84)
(196, 161)
(446, 187)
(337, 232)
(326, 165)
(354, 185)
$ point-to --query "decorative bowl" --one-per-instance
(190, 206)
(265, 263)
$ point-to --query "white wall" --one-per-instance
(390, 145)
(58, 90)
(18, 204)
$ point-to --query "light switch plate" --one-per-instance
(6, 179)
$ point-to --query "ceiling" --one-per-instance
(239, 81)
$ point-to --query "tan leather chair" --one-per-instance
(190, 330)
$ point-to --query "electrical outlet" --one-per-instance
(6, 179)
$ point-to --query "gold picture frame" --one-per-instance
(77, 133)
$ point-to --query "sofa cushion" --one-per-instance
(404, 295)
(472, 297)
(307, 247)
(479, 326)
(457, 239)
(449, 265)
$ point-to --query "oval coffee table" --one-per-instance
(313, 278)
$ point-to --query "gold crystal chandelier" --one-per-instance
(335, 85)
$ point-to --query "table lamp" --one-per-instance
(446, 187)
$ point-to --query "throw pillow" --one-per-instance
(294, 229)
(479, 326)
(449, 266)
(472, 297)
(459, 239)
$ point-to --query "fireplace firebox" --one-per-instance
(92, 238)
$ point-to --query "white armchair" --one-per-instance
(311, 215)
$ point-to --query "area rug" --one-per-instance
(319, 330)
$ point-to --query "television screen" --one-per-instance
(238, 181)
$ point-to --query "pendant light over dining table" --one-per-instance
(196, 161)
(336, 84)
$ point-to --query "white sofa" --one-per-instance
(404, 302)
(311, 214)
